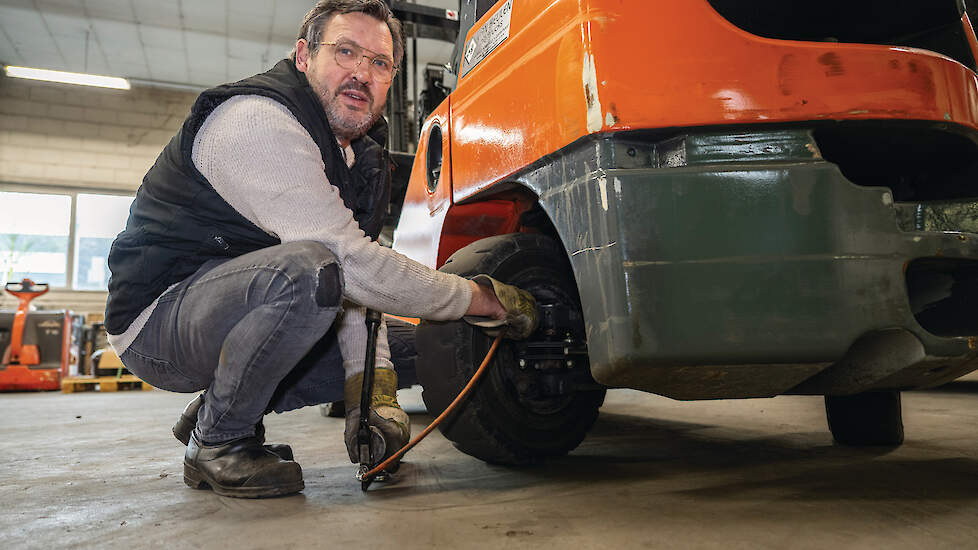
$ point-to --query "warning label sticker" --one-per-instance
(487, 38)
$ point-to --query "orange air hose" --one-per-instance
(461, 396)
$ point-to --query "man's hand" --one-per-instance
(386, 416)
(500, 307)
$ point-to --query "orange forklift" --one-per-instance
(709, 199)
(37, 345)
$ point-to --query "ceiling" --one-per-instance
(196, 43)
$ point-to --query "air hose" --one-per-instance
(458, 399)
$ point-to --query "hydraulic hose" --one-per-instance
(458, 399)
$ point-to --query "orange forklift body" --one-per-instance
(572, 68)
(748, 199)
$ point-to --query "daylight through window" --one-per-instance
(37, 240)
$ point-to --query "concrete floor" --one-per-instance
(98, 470)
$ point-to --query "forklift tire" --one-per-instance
(866, 419)
(495, 423)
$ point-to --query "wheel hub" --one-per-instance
(546, 371)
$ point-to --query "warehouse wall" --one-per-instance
(82, 138)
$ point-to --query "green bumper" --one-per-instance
(744, 265)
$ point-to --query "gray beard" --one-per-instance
(346, 125)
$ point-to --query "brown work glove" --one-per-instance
(521, 311)
(386, 416)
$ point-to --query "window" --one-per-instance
(38, 240)
(99, 218)
(34, 231)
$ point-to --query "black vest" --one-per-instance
(177, 221)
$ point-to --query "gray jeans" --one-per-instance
(255, 332)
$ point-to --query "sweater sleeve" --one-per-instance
(267, 167)
(352, 328)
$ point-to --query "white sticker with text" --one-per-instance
(490, 35)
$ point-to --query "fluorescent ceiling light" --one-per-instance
(68, 78)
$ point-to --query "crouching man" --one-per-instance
(249, 255)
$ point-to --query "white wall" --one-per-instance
(84, 138)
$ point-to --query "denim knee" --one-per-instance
(314, 267)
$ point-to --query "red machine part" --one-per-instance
(467, 223)
(16, 373)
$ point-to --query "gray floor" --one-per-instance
(102, 471)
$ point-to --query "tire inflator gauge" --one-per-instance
(371, 471)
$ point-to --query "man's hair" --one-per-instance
(314, 23)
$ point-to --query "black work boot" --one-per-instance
(240, 468)
(336, 409)
(188, 421)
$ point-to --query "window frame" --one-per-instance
(73, 192)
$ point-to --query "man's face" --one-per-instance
(353, 98)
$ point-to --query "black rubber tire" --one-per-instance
(866, 419)
(494, 425)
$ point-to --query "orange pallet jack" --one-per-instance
(22, 367)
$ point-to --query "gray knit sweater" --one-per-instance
(264, 164)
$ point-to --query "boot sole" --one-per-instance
(195, 479)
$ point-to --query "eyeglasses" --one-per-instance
(349, 56)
